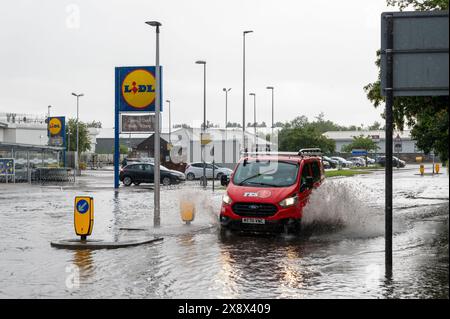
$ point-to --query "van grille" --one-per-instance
(254, 209)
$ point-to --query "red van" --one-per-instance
(267, 191)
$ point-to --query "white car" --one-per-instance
(195, 170)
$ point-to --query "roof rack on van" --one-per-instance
(310, 152)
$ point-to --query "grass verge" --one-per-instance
(345, 172)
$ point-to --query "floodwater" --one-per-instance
(339, 255)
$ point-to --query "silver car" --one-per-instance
(195, 170)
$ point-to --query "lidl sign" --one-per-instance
(136, 88)
(56, 130)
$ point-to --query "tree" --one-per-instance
(417, 112)
(360, 142)
(84, 142)
(94, 124)
(299, 133)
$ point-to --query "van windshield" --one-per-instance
(266, 173)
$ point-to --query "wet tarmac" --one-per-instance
(339, 255)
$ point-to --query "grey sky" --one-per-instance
(317, 54)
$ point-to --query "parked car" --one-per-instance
(333, 163)
(396, 162)
(370, 160)
(195, 170)
(269, 192)
(144, 173)
(342, 161)
(326, 164)
(357, 161)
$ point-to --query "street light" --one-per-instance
(271, 88)
(254, 116)
(48, 111)
(76, 154)
(226, 106)
(204, 120)
(170, 125)
(156, 216)
(243, 91)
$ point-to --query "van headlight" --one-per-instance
(290, 201)
(226, 199)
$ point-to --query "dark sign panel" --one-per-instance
(420, 53)
(131, 123)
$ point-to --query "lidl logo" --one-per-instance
(138, 88)
(54, 126)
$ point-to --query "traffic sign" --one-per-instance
(84, 216)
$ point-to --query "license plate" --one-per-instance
(260, 221)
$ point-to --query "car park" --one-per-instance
(396, 162)
(342, 161)
(268, 192)
(333, 163)
(138, 173)
(357, 161)
(195, 170)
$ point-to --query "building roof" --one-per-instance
(29, 147)
(348, 135)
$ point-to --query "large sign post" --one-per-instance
(135, 98)
(56, 131)
(414, 62)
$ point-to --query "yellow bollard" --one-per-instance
(84, 216)
(422, 169)
(187, 210)
(437, 168)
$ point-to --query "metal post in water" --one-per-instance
(157, 176)
(389, 140)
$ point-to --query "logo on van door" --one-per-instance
(260, 194)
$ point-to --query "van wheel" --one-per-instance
(127, 181)
(219, 176)
(190, 176)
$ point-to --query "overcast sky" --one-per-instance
(317, 54)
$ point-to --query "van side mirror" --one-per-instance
(224, 180)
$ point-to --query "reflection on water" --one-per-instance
(85, 263)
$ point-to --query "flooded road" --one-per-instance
(339, 255)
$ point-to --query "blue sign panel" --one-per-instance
(136, 88)
(82, 206)
(56, 130)
(359, 152)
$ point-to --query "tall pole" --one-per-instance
(243, 93)
(389, 132)
(156, 215)
(254, 119)
(76, 154)
(271, 88)
(226, 110)
(170, 124)
(48, 111)
(204, 121)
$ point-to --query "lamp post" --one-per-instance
(226, 110)
(204, 121)
(48, 111)
(77, 168)
(156, 216)
(170, 123)
(271, 88)
(254, 117)
(243, 91)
